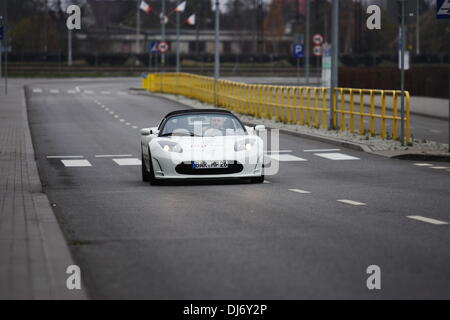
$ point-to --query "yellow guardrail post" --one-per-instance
(316, 108)
(302, 106)
(295, 105)
(408, 118)
(372, 113)
(352, 111)
(324, 108)
(343, 123)
(395, 114)
(308, 107)
(361, 113)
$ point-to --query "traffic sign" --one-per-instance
(443, 9)
(298, 50)
(318, 39)
(163, 47)
(318, 51)
(153, 46)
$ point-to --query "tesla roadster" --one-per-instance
(202, 144)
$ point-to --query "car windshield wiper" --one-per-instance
(170, 134)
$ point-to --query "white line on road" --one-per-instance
(429, 220)
(106, 109)
(266, 182)
(134, 127)
(128, 162)
(122, 120)
(113, 155)
(354, 203)
(285, 157)
(121, 93)
(88, 91)
(439, 168)
(37, 90)
(54, 91)
(423, 164)
(111, 112)
(76, 163)
(278, 151)
(71, 92)
(116, 116)
(106, 92)
(322, 150)
(65, 157)
(300, 191)
(336, 156)
(127, 124)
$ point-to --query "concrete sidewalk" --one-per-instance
(34, 255)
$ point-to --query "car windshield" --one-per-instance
(203, 125)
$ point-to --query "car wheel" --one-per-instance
(257, 180)
(145, 173)
(151, 173)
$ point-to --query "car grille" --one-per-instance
(186, 168)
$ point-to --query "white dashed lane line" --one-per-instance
(439, 168)
(71, 92)
(76, 163)
(300, 191)
(336, 156)
(322, 150)
(106, 92)
(54, 91)
(88, 92)
(428, 220)
(351, 202)
(113, 155)
(128, 162)
(37, 90)
(65, 157)
(285, 158)
(423, 164)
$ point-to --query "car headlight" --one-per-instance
(170, 146)
(246, 144)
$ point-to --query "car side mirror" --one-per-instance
(260, 127)
(146, 132)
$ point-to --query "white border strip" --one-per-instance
(428, 220)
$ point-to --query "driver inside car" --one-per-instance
(216, 127)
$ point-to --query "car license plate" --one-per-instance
(209, 164)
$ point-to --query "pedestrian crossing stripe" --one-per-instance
(285, 158)
(336, 156)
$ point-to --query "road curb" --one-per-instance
(56, 249)
(406, 155)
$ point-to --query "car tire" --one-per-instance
(257, 180)
(153, 181)
(145, 173)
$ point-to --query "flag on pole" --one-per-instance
(181, 7)
(191, 20)
(164, 19)
(145, 7)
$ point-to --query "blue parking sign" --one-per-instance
(443, 9)
(154, 46)
(298, 50)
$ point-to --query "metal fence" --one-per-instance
(294, 105)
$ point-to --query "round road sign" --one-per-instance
(317, 51)
(163, 47)
(318, 39)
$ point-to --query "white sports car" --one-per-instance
(202, 144)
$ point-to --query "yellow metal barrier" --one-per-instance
(293, 105)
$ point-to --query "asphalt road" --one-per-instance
(227, 240)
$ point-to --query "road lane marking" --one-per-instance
(322, 150)
(122, 120)
(111, 112)
(278, 151)
(54, 91)
(65, 157)
(106, 109)
(116, 116)
(300, 191)
(336, 156)
(127, 124)
(37, 90)
(128, 162)
(121, 93)
(76, 163)
(266, 182)
(428, 220)
(134, 127)
(113, 155)
(88, 91)
(354, 203)
(71, 92)
(285, 158)
(106, 92)
(439, 168)
(423, 164)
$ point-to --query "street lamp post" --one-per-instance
(308, 41)
(138, 28)
(163, 32)
(334, 57)
(402, 72)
